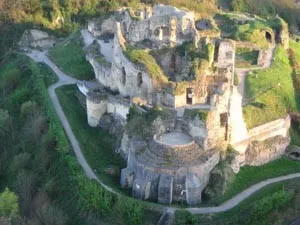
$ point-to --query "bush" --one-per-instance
(8, 204)
(184, 217)
(267, 204)
(21, 161)
(29, 108)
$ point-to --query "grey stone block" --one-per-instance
(127, 177)
(193, 192)
(141, 189)
(165, 189)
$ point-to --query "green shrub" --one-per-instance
(9, 204)
(184, 217)
(192, 113)
(29, 108)
(267, 204)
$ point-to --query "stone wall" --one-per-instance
(95, 110)
(125, 74)
(197, 129)
(37, 39)
(167, 25)
(97, 106)
(262, 152)
(168, 183)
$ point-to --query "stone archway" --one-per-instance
(268, 37)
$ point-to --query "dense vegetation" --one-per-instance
(96, 144)
(36, 159)
(287, 9)
(250, 175)
(46, 184)
(273, 205)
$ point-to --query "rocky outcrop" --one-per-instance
(103, 26)
(261, 152)
(220, 179)
(293, 152)
(37, 39)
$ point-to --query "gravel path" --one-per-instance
(64, 79)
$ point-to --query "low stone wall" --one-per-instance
(265, 143)
(278, 127)
(262, 152)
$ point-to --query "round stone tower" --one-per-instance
(171, 167)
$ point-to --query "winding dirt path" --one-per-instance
(64, 79)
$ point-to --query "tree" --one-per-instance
(8, 204)
(50, 215)
(4, 122)
(25, 187)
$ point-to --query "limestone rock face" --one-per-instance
(261, 152)
(99, 27)
(37, 39)
(220, 178)
(293, 152)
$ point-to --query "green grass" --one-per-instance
(296, 47)
(270, 93)
(286, 214)
(250, 175)
(246, 58)
(96, 144)
(143, 58)
(48, 75)
(250, 30)
(70, 58)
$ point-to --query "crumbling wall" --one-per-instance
(197, 129)
(102, 26)
(37, 39)
(188, 180)
(262, 152)
(95, 110)
(167, 25)
(125, 74)
(98, 105)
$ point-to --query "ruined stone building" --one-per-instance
(174, 161)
